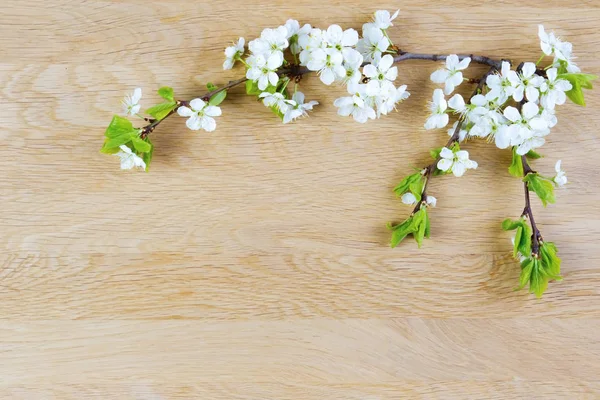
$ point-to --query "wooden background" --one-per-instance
(253, 262)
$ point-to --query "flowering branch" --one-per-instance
(512, 108)
(428, 170)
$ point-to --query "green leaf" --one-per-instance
(516, 166)
(405, 185)
(550, 260)
(538, 282)
(420, 225)
(211, 86)
(400, 231)
(160, 111)
(167, 93)
(526, 268)
(416, 188)
(427, 226)
(509, 224)
(579, 82)
(252, 88)
(533, 155)
(518, 234)
(111, 145)
(141, 145)
(218, 98)
(435, 153)
(147, 156)
(119, 126)
(543, 187)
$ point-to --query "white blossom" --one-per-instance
(458, 162)
(561, 178)
(500, 85)
(357, 104)
(131, 103)
(340, 40)
(383, 20)
(431, 201)
(471, 112)
(389, 96)
(271, 42)
(439, 118)
(527, 83)
(129, 159)
(264, 70)
(552, 45)
(352, 62)
(381, 69)
(451, 75)
(276, 100)
(487, 124)
(528, 127)
(562, 51)
(201, 115)
(409, 198)
(328, 63)
(299, 108)
(309, 43)
(232, 53)
(553, 90)
(294, 33)
(373, 43)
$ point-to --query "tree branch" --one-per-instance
(404, 55)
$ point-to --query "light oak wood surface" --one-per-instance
(253, 262)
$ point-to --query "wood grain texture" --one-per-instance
(252, 263)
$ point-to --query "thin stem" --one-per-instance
(206, 97)
(454, 138)
(536, 236)
(404, 55)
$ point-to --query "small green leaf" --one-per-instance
(533, 155)
(518, 234)
(550, 260)
(543, 187)
(119, 126)
(167, 93)
(435, 153)
(218, 98)
(147, 156)
(516, 166)
(160, 111)
(419, 230)
(427, 226)
(538, 282)
(526, 268)
(252, 88)
(400, 231)
(111, 145)
(405, 185)
(579, 82)
(211, 86)
(509, 225)
(140, 145)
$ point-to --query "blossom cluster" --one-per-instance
(516, 108)
(363, 64)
